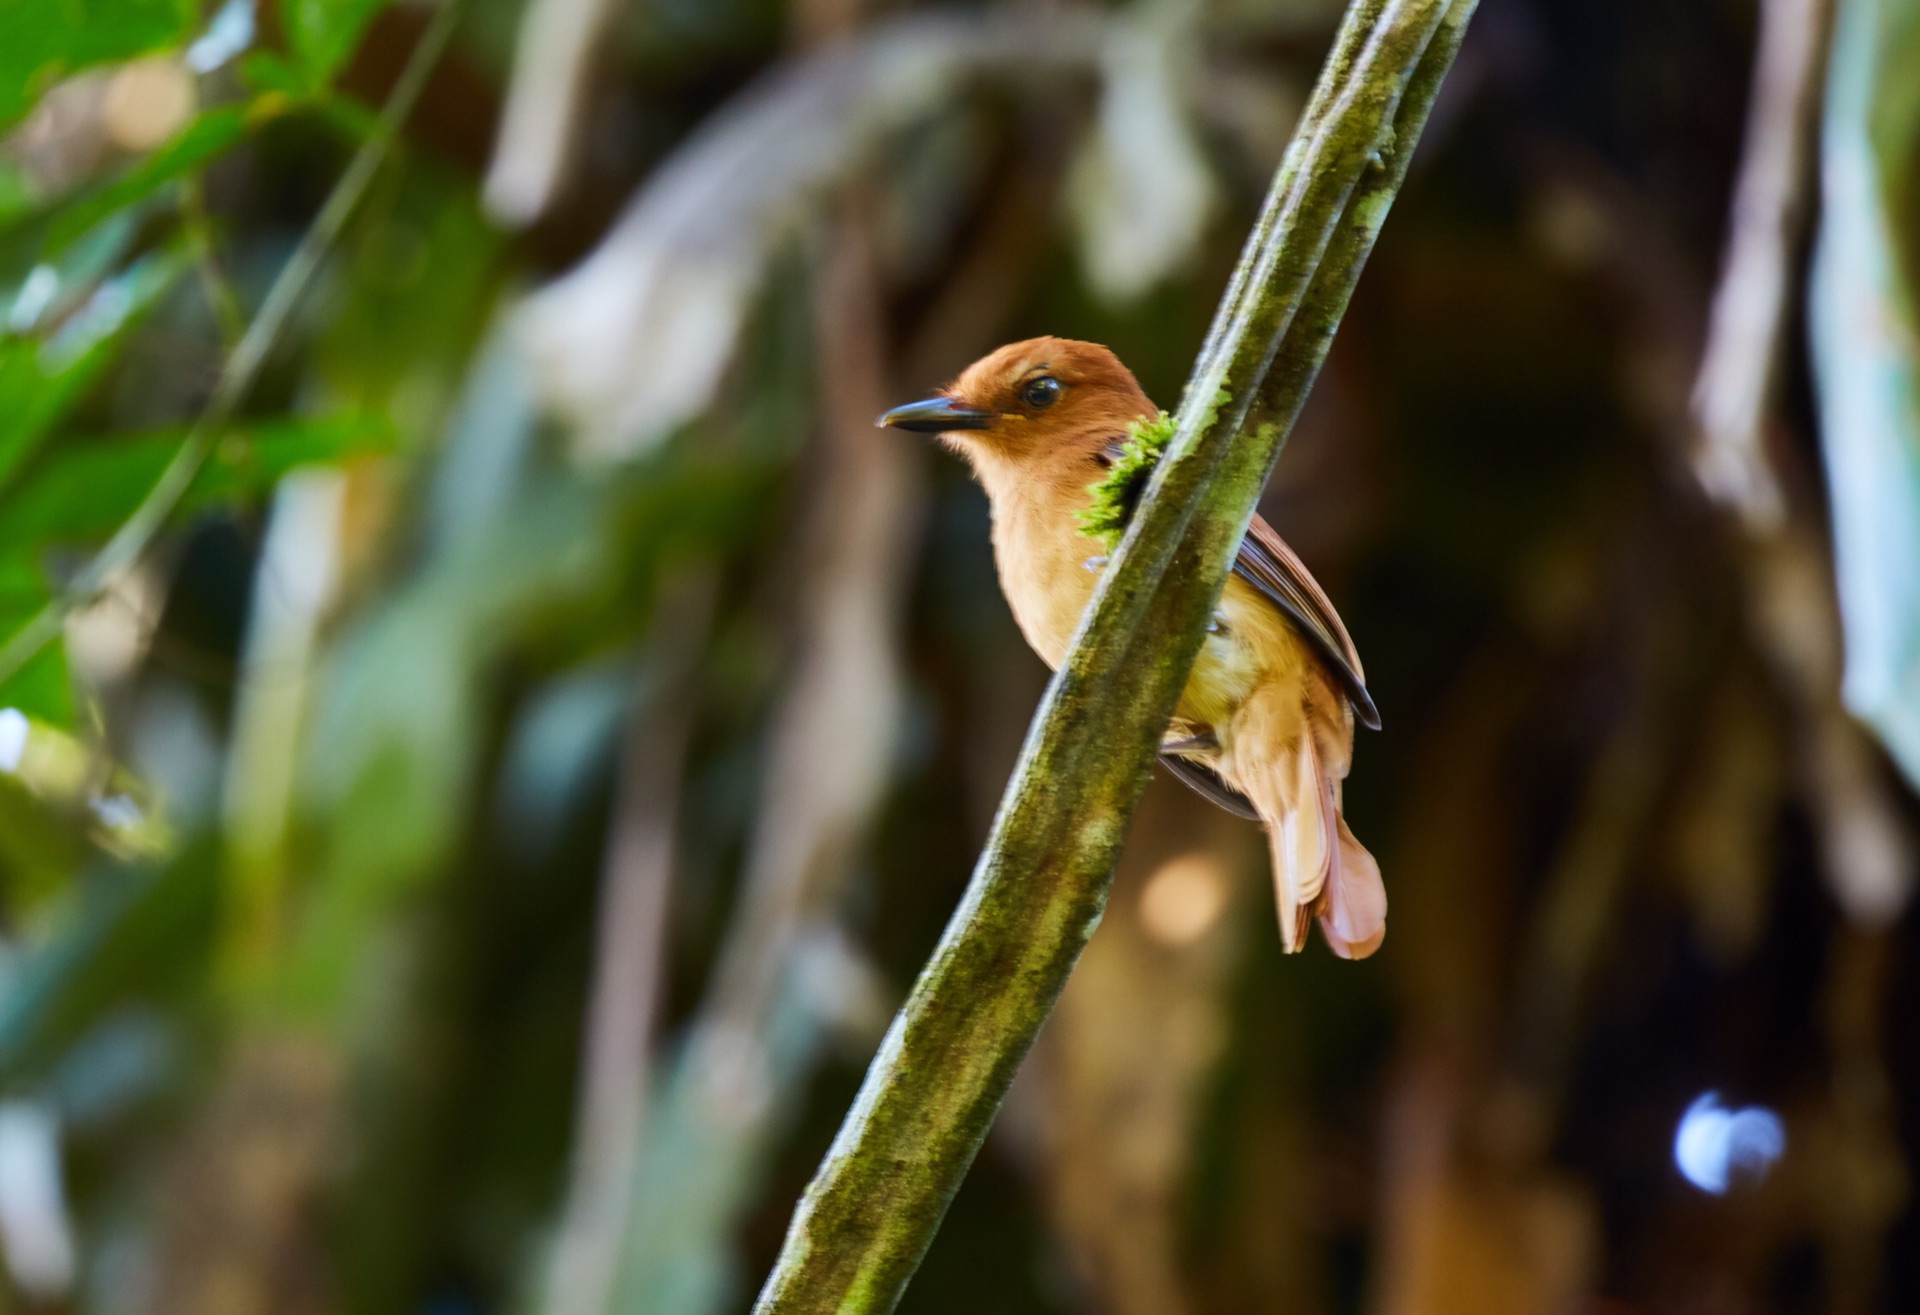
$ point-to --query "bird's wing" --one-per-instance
(1269, 565)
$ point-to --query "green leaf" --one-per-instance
(40, 379)
(16, 193)
(42, 41)
(1867, 365)
(84, 489)
(265, 71)
(323, 33)
(273, 76)
(208, 136)
(41, 689)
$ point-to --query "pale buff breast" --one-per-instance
(1043, 570)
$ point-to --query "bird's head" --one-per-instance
(1031, 403)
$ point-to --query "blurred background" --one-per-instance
(461, 844)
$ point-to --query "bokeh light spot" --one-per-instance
(1714, 1144)
(1183, 900)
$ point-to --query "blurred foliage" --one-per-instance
(45, 42)
(306, 820)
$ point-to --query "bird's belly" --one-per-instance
(1242, 649)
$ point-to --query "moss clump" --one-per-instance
(1119, 490)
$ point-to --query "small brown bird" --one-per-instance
(1265, 724)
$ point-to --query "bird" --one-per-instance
(1265, 723)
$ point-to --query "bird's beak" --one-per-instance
(936, 415)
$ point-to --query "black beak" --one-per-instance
(936, 415)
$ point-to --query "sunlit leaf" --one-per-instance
(264, 70)
(41, 689)
(1866, 337)
(42, 41)
(323, 33)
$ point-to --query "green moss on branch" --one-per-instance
(1120, 490)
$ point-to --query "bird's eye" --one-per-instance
(1040, 391)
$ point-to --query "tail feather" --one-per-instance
(1319, 869)
(1291, 795)
(1353, 916)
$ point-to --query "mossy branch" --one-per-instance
(1041, 884)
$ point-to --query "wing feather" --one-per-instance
(1269, 565)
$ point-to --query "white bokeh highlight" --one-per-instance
(1714, 1144)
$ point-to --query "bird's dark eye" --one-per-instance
(1040, 391)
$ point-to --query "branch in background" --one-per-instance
(297, 582)
(1794, 615)
(1733, 393)
(243, 367)
(1041, 884)
(784, 974)
(540, 124)
(1454, 1219)
(221, 298)
(630, 950)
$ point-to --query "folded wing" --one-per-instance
(1269, 565)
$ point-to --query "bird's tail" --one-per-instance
(1319, 869)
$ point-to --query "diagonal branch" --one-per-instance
(1751, 304)
(1040, 886)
